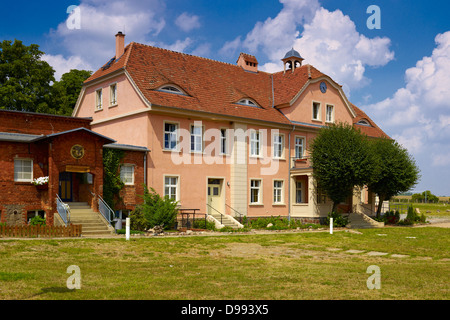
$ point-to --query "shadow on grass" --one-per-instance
(53, 290)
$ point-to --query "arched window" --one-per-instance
(364, 122)
(171, 89)
(248, 102)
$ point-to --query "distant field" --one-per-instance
(436, 209)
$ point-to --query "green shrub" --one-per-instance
(338, 219)
(37, 220)
(391, 217)
(137, 220)
(157, 210)
(200, 224)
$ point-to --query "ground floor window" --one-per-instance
(170, 187)
(255, 191)
(127, 174)
(35, 213)
(298, 192)
(278, 191)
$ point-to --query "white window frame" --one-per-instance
(278, 193)
(256, 185)
(127, 177)
(18, 175)
(113, 94)
(99, 99)
(329, 117)
(319, 111)
(198, 138)
(255, 143)
(299, 146)
(223, 141)
(174, 189)
(171, 134)
(278, 146)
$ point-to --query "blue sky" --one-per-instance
(398, 74)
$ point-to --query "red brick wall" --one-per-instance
(32, 123)
(131, 194)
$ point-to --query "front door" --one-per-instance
(65, 186)
(215, 195)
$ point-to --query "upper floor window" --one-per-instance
(113, 94)
(223, 141)
(98, 99)
(196, 138)
(23, 170)
(278, 145)
(299, 147)
(255, 143)
(170, 136)
(316, 111)
(330, 113)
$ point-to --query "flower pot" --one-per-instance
(42, 186)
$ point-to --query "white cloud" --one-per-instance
(187, 22)
(100, 20)
(62, 65)
(329, 41)
(418, 113)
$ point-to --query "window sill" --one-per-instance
(113, 105)
(171, 150)
(301, 204)
(278, 204)
(256, 204)
(98, 110)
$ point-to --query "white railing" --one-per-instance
(63, 210)
(105, 210)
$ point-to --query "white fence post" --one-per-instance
(127, 228)
(331, 225)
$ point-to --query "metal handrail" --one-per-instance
(221, 214)
(240, 214)
(105, 210)
(63, 210)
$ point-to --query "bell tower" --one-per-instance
(292, 60)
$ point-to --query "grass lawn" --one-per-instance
(436, 209)
(276, 266)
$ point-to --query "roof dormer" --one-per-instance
(248, 62)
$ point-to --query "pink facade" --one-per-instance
(213, 139)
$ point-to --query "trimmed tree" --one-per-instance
(396, 170)
(341, 160)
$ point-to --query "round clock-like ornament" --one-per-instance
(77, 151)
(323, 87)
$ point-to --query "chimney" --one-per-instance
(248, 62)
(120, 44)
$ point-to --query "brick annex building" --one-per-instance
(70, 154)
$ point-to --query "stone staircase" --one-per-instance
(93, 224)
(227, 220)
(358, 220)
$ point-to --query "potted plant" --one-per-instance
(41, 183)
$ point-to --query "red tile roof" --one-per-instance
(213, 86)
(373, 130)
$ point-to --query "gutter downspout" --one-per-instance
(289, 177)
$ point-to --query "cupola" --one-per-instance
(292, 60)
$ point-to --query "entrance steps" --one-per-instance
(358, 220)
(227, 220)
(93, 224)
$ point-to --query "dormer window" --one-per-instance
(364, 122)
(248, 102)
(171, 89)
